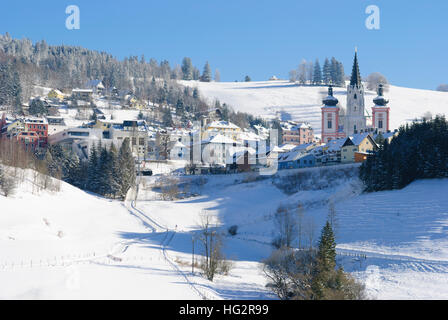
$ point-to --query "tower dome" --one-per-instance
(380, 100)
(330, 100)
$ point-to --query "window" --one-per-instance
(380, 124)
(330, 124)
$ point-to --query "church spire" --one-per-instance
(356, 76)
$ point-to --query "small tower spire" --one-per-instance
(330, 100)
(356, 75)
(380, 100)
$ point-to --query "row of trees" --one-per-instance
(308, 72)
(420, 151)
(190, 72)
(108, 172)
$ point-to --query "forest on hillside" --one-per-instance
(420, 151)
(24, 65)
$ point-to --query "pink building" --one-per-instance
(297, 133)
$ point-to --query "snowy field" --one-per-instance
(74, 245)
(303, 103)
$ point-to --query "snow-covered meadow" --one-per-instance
(75, 245)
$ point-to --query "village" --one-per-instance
(82, 118)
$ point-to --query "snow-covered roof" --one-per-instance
(358, 138)
(220, 139)
(295, 153)
(287, 147)
(95, 83)
(294, 126)
(250, 136)
(223, 125)
(83, 90)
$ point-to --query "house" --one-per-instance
(56, 95)
(243, 160)
(216, 150)
(79, 140)
(96, 86)
(361, 143)
(297, 133)
(136, 131)
(40, 127)
(32, 132)
(329, 153)
(29, 139)
(224, 128)
(297, 161)
(82, 94)
(178, 151)
(299, 157)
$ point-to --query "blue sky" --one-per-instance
(255, 37)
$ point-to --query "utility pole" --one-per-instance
(192, 256)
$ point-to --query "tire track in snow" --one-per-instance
(156, 227)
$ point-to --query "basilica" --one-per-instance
(338, 122)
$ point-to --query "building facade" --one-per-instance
(338, 123)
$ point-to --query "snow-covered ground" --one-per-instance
(303, 103)
(74, 245)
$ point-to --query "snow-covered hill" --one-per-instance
(303, 103)
(396, 242)
(74, 245)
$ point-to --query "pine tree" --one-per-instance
(92, 169)
(327, 249)
(317, 74)
(207, 74)
(126, 168)
(187, 69)
(326, 72)
(114, 178)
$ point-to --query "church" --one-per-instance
(338, 122)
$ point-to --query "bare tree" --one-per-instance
(300, 216)
(212, 243)
(286, 226)
(7, 183)
(310, 230)
(332, 218)
(376, 78)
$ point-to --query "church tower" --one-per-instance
(380, 112)
(330, 118)
(355, 119)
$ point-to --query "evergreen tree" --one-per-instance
(38, 108)
(93, 169)
(196, 74)
(327, 249)
(167, 118)
(126, 168)
(187, 69)
(326, 72)
(207, 74)
(114, 177)
(317, 74)
(420, 151)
